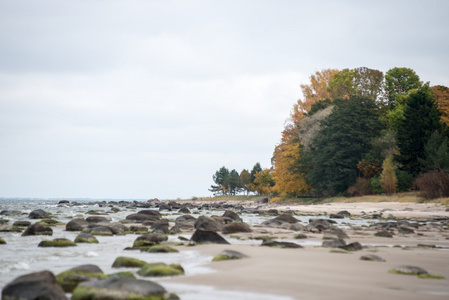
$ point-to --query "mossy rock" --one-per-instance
(120, 289)
(431, 276)
(70, 279)
(128, 262)
(158, 270)
(2, 241)
(86, 238)
(408, 270)
(126, 274)
(57, 243)
(50, 222)
(159, 249)
(229, 255)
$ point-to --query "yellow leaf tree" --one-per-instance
(288, 180)
(264, 182)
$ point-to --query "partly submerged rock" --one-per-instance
(232, 215)
(86, 238)
(207, 224)
(159, 249)
(38, 214)
(150, 239)
(38, 285)
(59, 242)
(76, 225)
(37, 229)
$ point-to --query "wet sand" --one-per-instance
(316, 273)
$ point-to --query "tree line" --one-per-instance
(356, 132)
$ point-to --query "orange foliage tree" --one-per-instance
(441, 94)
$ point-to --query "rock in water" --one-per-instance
(76, 225)
(202, 236)
(119, 289)
(372, 257)
(39, 285)
(229, 254)
(38, 214)
(277, 244)
(37, 229)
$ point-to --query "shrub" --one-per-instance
(361, 187)
(388, 178)
(432, 185)
(375, 185)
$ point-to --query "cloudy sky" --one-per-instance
(144, 99)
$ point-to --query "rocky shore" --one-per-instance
(328, 251)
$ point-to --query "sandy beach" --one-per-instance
(317, 273)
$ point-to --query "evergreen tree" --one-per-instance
(221, 179)
(234, 184)
(256, 169)
(341, 144)
(436, 153)
(421, 120)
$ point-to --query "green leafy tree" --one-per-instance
(421, 120)
(342, 143)
(399, 82)
(245, 180)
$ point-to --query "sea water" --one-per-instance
(21, 255)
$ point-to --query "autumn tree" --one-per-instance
(361, 82)
(286, 175)
(264, 182)
(441, 94)
(388, 178)
(315, 91)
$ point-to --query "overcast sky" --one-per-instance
(144, 99)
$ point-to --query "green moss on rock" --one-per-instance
(70, 279)
(126, 274)
(57, 243)
(128, 262)
(2, 241)
(160, 249)
(158, 270)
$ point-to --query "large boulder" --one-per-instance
(39, 285)
(98, 230)
(276, 224)
(203, 236)
(37, 229)
(236, 227)
(85, 238)
(76, 225)
(140, 218)
(207, 224)
(150, 212)
(232, 215)
(119, 289)
(287, 218)
(148, 240)
(70, 279)
(38, 214)
(183, 226)
(59, 242)
(160, 226)
(97, 219)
